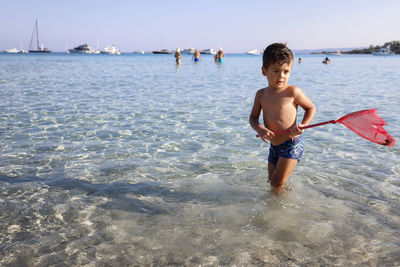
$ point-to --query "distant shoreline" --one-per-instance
(393, 46)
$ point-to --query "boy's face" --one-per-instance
(277, 74)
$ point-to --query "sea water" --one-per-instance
(133, 160)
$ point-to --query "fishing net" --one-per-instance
(367, 124)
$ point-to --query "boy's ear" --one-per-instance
(263, 71)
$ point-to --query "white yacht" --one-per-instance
(12, 51)
(110, 50)
(188, 50)
(253, 52)
(383, 52)
(16, 51)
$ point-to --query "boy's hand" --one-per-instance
(295, 130)
(266, 135)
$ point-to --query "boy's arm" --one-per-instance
(309, 109)
(263, 132)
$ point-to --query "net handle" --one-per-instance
(308, 126)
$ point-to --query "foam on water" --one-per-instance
(131, 160)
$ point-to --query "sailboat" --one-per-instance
(41, 48)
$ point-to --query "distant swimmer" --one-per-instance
(178, 56)
(326, 61)
(196, 56)
(219, 57)
(300, 60)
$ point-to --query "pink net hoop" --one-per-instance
(368, 124)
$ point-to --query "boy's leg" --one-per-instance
(284, 168)
(271, 169)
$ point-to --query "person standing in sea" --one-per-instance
(196, 56)
(219, 57)
(279, 102)
(178, 56)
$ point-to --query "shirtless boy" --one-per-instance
(278, 103)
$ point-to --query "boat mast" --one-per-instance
(33, 35)
(37, 35)
(35, 30)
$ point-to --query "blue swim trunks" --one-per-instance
(196, 59)
(291, 149)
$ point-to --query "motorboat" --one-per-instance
(209, 51)
(383, 52)
(190, 50)
(12, 51)
(110, 50)
(83, 49)
(39, 48)
(162, 51)
(254, 52)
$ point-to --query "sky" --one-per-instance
(235, 25)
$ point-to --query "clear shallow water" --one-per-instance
(132, 160)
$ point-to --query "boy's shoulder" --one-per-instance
(261, 91)
(292, 89)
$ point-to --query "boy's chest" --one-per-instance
(270, 101)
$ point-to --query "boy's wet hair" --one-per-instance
(277, 52)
